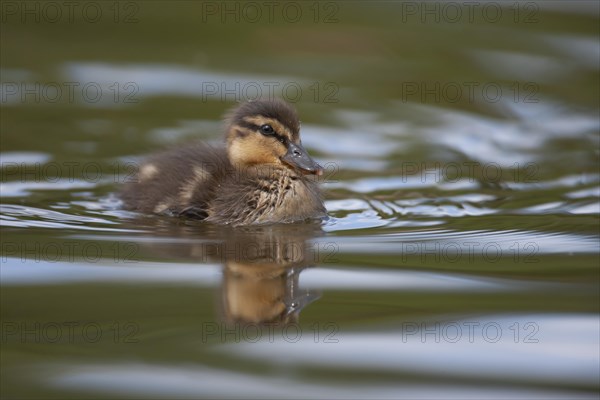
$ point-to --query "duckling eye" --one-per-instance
(267, 129)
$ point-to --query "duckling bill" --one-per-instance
(262, 175)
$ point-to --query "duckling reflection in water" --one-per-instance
(263, 175)
(257, 297)
(261, 265)
(260, 283)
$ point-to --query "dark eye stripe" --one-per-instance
(248, 125)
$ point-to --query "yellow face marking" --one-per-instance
(252, 150)
(248, 147)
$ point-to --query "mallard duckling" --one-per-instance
(262, 176)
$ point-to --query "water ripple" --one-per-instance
(25, 216)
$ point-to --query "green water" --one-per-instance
(460, 257)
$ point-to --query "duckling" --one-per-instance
(262, 176)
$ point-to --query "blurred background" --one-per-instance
(460, 259)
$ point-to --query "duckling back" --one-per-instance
(178, 182)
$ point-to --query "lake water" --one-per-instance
(461, 254)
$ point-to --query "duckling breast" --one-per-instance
(274, 198)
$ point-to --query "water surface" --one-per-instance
(460, 257)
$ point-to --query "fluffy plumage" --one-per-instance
(262, 176)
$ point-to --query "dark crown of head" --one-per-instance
(275, 109)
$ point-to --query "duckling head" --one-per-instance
(267, 132)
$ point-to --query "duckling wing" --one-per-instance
(180, 181)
